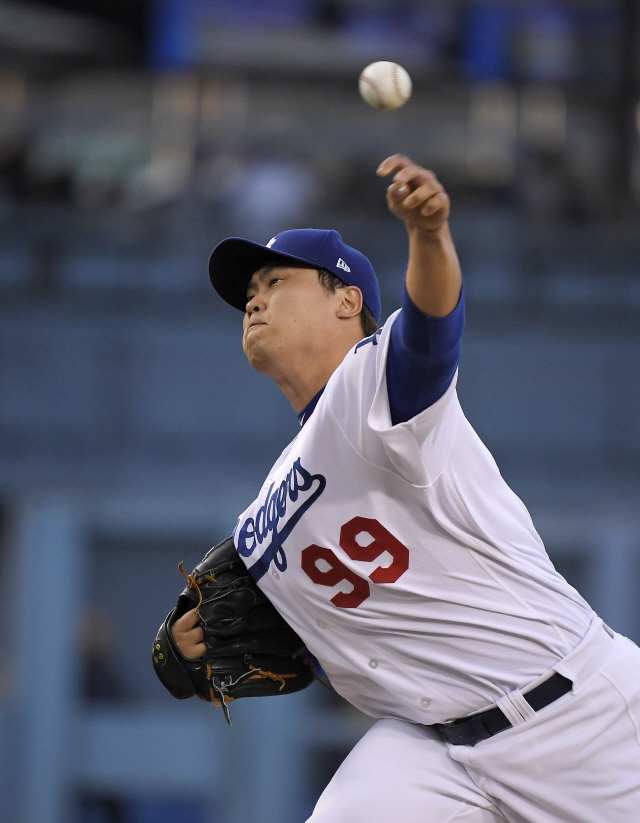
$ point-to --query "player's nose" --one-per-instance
(255, 303)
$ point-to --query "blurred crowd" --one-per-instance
(541, 86)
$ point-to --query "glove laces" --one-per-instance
(194, 582)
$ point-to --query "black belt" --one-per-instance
(470, 730)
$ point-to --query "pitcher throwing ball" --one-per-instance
(387, 539)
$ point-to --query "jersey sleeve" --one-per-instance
(357, 395)
(418, 448)
(422, 358)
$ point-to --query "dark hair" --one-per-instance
(330, 282)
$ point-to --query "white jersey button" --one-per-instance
(275, 574)
(425, 703)
(373, 664)
(322, 624)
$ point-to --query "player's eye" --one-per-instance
(274, 280)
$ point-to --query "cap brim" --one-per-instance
(233, 263)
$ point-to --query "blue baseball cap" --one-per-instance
(234, 261)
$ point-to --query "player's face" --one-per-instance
(289, 316)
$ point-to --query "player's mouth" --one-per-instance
(254, 325)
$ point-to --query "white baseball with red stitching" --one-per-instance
(385, 85)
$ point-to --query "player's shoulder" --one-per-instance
(352, 386)
(370, 353)
(351, 391)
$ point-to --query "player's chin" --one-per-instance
(257, 354)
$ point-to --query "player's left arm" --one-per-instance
(434, 279)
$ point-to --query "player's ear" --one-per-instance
(350, 304)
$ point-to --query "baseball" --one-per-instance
(385, 85)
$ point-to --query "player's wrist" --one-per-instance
(429, 237)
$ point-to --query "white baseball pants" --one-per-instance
(575, 761)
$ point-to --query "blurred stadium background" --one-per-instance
(136, 134)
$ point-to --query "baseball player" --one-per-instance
(386, 537)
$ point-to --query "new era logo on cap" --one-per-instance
(342, 265)
(271, 242)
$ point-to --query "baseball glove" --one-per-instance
(250, 650)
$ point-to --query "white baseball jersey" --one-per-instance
(402, 558)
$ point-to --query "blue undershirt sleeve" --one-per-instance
(422, 358)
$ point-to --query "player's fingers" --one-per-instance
(195, 636)
(415, 176)
(396, 193)
(187, 621)
(422, 194)
(189, 640)
(396, 161)
(439, 202)
(198, 651)
(192, 650)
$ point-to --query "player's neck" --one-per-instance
(305, 377)
(300, 388)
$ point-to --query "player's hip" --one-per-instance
(578, 758)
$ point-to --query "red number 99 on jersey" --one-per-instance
(325, 568)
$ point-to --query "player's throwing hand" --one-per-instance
(415, 195)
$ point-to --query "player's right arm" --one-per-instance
(417, 197)
(424, 345)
